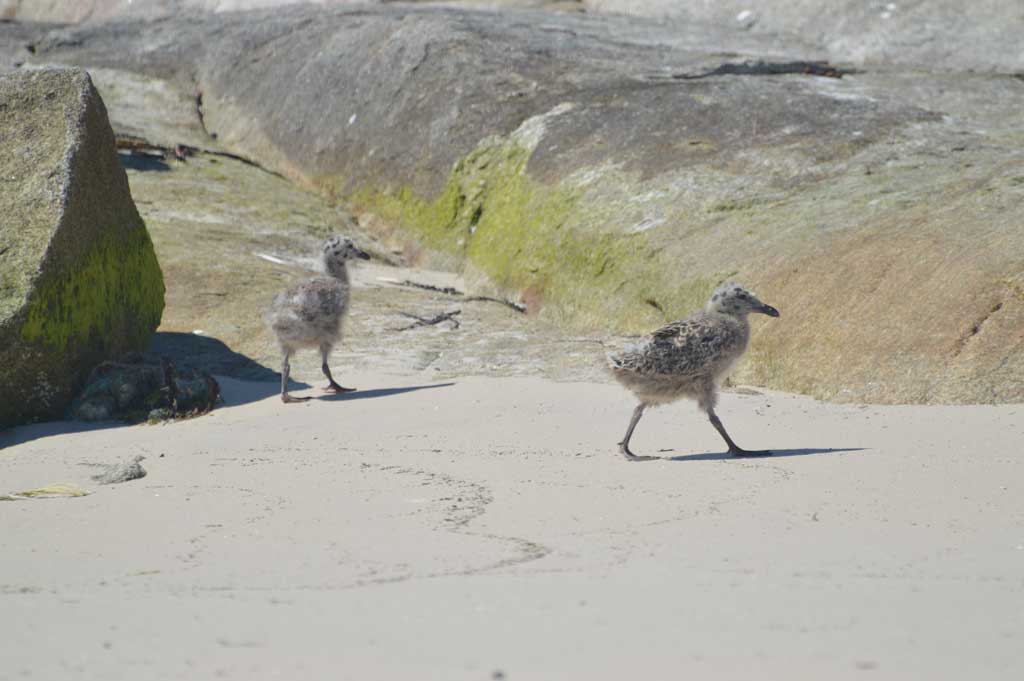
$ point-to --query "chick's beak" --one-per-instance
(768, 310)
(366, 256)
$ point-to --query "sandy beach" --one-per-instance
(487, 528)
(536, 183)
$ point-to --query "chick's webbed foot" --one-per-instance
(630, 456)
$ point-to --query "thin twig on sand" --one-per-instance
(436, 319)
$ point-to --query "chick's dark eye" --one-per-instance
(743, 296)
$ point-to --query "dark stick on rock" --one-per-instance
(447, 290)
(451, 291)
(763, 68)
(436, 319)
(518, 307)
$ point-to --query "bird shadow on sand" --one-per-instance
(378, 392)
(776, 454)
(235, 392)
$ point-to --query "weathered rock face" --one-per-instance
(74, 11)
(79, 281)
(14, 36)
(933, 34)
(614, 170)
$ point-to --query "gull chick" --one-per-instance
(690, 358)
(309, 314)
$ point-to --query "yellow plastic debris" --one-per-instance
(60, 489)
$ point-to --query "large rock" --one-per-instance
(96, 10)
(80, 281)
(74, 11)
(931, 34)
(614, 169)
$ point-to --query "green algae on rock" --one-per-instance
(80, 281)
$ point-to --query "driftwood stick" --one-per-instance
(451, 291)
(448, 290)
(518, 307)
(430, 321)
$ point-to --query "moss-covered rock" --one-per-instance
(79, 281)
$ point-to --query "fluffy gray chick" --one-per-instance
(309, 314)
(690, 358)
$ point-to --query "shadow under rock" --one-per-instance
(210, 355)
(253, 382)
(143, 162)
(776, 453)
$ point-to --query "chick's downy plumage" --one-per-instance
(690, 357)
(309, 314)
